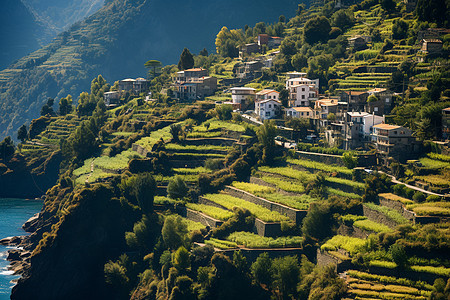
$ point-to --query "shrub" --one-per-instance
(213, 164)
(433, 198)
(177, 188)
(350, 161)
(398, 254)
(419, 196)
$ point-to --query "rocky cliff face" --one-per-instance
(81, 231)
(22, 177)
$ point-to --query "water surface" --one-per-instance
(13, 213)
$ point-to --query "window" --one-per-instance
(375, 109)
(387, 100)
(303, 96)
(270, 105)
(302, 113)
(303, 89)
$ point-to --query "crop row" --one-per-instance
(319, 166)
(251, 240)
(212, 211)
(284, 184)
(349, 244)
(431, 208)
(221, 244)
(260, 212)
(298, 202)
(390, 213)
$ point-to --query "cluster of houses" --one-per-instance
(348, 120)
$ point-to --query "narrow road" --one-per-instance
(394, 180)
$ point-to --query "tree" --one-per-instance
(284, 97)
(387, 5)
(174, 232)
(262, 269)
(227, 42)
(399, 29)
(65, 105)
(223, 112)
(399, 256)
(47, 109)
(181, 259)
(186, 60)
(154, 68)
(288, 47)
(436, 11)
(282, 19)
(299, 61)
(286, 275)
(177, 188)
(203, 52)
(313, 228)
(22, 134)
(317, 30)
(175, 130)
(266, 136)
(350, 161)
(83, 141)
(144, 191)
(6, 148)
(342, 19)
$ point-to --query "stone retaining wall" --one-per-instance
(378, 217)
(321, 157)
(292, 213)
(398, 206)
(311, 170)
(199, 217)
(211, 141)
(141, 150)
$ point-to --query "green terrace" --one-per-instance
(300, 202)
(363, 223)
(212, 211)
(229, 202)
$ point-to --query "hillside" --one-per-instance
(116, 41)
(184, 195)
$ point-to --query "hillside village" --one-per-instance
(286, 166)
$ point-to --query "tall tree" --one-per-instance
(22, 134)
(6, 148)
(317, 30)
(436, 11)
(65, 105)
(144, 191)
(186, 60)
(266, 136)
(154, 68)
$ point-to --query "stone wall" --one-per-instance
(376, 216)
(198, 217)
(211, 141)
(294, 214)
(398, 206)
(141, 150)
(321, 157)
(267, 229)
(252, 254)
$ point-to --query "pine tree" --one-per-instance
(186, 60)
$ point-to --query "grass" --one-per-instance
(343, 194)
(390, 280)
(196, 135)
(351, 183)
(212, 211)
(394, 197)
(436, 180)
(288, 172)
(441, 271)
(162, 200)
(85, 169)
(319, 166)
(390, 213)
(371, 226)
(441, 157)
(215, 124)
(178, 147)
(260, 212)
(349, 244)
(285, 185)
(118, 162)
(431, 209)
(298, 202)
(221, 244)
(192, 225)
(251, 240)
(434, 164)
(163, 133)
(186, 171)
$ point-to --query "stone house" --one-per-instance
(267, 94)
(395, 141)
(248, 49)
(111, 98)
(242, 97)
(357, 43)
(193, 84)
(431, 46)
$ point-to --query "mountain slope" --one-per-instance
(18, 38)
(115, 42)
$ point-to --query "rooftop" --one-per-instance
(386, 126)
(431, 41)
(264, 92)
(242, 89)
(302, 109)
(357, 114)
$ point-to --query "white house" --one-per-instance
(323, 108)
(299, 112)
(267, 109)
(364, 122)
(302, 94)
(267, 94)
(242, 97)
(301, 80)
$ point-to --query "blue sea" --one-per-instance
(13, 213)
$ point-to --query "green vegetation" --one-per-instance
(390, 213)
(285, 185)
(251, 240)
(350, 244)
(319, 166)
(262, 213)
(215, 212)
(431, 209)
(221, 244)
(371, 226)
